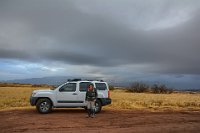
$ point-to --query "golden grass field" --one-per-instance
(175, 101)
(15, 97)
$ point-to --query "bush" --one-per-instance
(111, 87)
(138, 87)
(161, 89)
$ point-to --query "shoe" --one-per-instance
(92, 116)
(87, 116)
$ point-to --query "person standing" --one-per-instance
(91, 96)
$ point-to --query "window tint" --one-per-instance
(84, 86)
(70, 87)
(101, 86)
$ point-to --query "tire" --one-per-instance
(98, 106)
(44, 106)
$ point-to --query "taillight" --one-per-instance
(108, 93)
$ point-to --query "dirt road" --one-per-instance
(28, 120)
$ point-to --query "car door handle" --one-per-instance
(74, 94)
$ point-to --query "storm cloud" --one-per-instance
(113, 38)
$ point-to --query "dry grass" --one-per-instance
(15, 96)
(174, 101)
(11, 97)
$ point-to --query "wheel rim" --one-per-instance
(44, 106)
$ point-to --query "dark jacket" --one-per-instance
(91, 95)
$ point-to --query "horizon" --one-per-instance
(63, 79)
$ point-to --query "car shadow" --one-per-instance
(63, 110)
(69, 110)
(72, 110)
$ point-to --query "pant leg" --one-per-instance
(93, 107)
(89, 108)
(88, 105)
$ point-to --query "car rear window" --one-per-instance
(83, 86)
(101, 86)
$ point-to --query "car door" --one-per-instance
(67, 95)
(82, 91)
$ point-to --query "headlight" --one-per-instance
(33, 94)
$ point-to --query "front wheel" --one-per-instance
(98, 106)
(44, 106)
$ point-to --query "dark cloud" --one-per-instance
(163, 36)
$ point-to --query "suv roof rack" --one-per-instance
(71, 80)
(77, 79)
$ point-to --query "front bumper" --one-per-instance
(106, 101)
(33, 100)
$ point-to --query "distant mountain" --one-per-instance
(45, 80)
(57, 80)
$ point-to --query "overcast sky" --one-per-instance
(135, 40)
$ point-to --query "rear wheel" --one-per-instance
(98, 106)
(44, 106)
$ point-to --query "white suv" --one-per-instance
(70, 95)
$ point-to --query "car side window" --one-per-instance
(83, 86)
(70, 87)
(101, 86)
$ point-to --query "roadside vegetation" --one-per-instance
(18, 96)
(139, 87)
